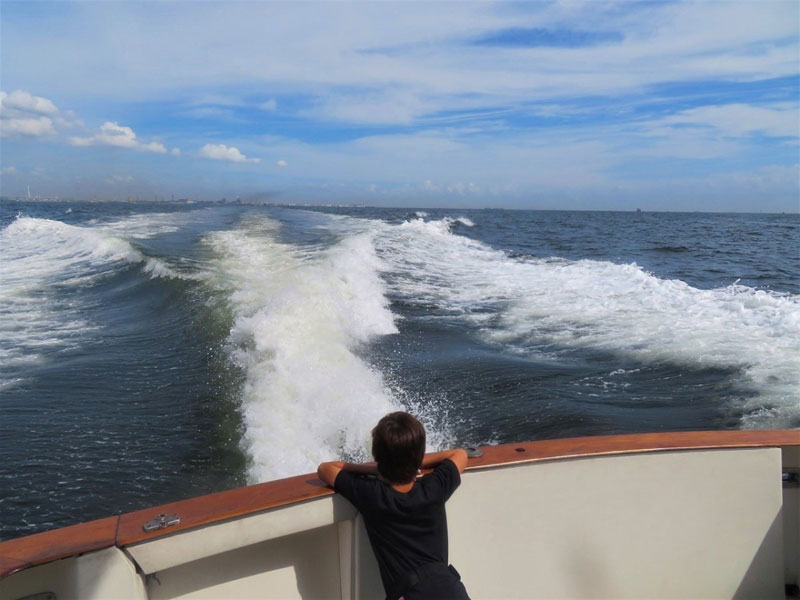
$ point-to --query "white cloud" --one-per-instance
(26, 115)
(114, 179)
(175, 152)
(117, 136)
(389, 107)
(10, 170)
(401, 62)
(742, 119)
(23, 114)
(223, 152)
(282, 163)
(23, 101)
(215, 113)
(34, 127)
(111, 134)
(459, 188)
(462, 188)
(156, 147)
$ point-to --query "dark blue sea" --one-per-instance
(153, 352)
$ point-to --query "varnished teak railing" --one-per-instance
(127, 529)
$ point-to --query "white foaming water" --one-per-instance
(620, 309)
(301, 315)
(145, 225)
(38, 256)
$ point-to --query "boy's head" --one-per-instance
(398, 445)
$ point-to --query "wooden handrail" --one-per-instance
(45, 547)
(631, 443)
(128, 528)
(221, 506)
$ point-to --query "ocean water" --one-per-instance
(153, 352)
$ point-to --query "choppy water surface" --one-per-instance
(154, 352)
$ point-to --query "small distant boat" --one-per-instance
(669, 515)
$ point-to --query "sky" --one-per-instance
(657, 105)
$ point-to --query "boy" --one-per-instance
(404, 516)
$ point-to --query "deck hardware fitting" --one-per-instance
(791, 478)
(520, 449)
(161, 521)
(473, 452)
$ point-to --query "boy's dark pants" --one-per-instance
(436, 581)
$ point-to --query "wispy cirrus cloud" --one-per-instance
(741, 119)
(431, 57)
(270, 105)
(582, 96)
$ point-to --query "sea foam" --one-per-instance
(41, 256)
(525, 304)
(301, 314)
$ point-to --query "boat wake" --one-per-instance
(301, 316)
(43, 268)
(537, 307)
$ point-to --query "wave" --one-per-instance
(143, 226)
(42, 249)
(528, 305)
(41, 256)
(442, 226)
(301, 316)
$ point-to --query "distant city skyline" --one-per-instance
(543, 105)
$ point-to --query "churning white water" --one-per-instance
(131, 334)
(529, 304)
(40, 257)
(301, 314)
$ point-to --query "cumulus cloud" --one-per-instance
(32, 126)
(270, 105)
(23, 114)
(282, 163)
(10, 170)
(223, 152)
(117, 136)
(25, 101)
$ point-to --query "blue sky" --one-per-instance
(564, 104)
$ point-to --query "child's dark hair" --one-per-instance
(398, 445)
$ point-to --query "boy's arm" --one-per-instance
(328, 471)
(457, 455)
